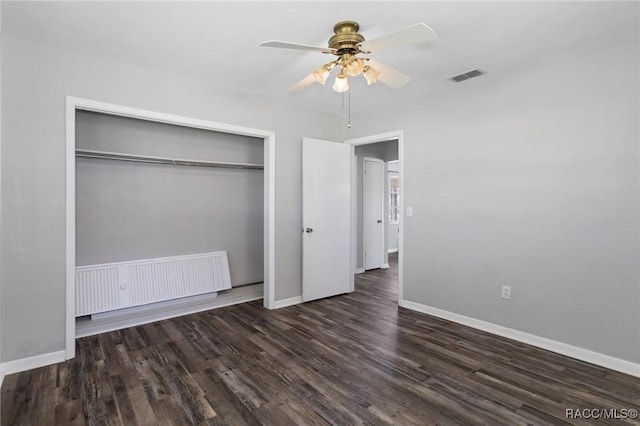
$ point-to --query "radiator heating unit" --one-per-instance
(110, 286)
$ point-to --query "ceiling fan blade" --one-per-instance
(295, 46)
(415, 34)
(389, 76)
(302, 84)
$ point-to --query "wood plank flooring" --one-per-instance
(351, 359)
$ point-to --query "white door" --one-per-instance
(373, 213)
(326, 219)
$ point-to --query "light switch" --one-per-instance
(409, 211)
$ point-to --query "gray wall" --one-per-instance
(386, 151)
(529, 178)
(129, 211)
(36, 79)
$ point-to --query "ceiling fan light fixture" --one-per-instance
(355, 67)
(371, 75)
(321, 74)
(341, 84)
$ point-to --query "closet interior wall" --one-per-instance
(130, 210)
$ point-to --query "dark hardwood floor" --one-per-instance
(351, 359)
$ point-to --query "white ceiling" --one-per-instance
(218, 41)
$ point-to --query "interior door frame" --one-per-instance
(364, 211)
(74, 104)
(381, 137)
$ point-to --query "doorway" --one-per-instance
(387, 148)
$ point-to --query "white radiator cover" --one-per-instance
(110, 286)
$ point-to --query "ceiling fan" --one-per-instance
(349, 46)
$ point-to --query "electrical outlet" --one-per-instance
(409, 211)
(506, 292)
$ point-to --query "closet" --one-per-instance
(163, 212)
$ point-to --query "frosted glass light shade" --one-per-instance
(355, 67)
(341, 84)
(371, 75)
(321, 74)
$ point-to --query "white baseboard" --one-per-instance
(30, 363)
(1, 376)
(288, 302)
(360, 271)
(581, 354)
(395, 250)
(385, 266)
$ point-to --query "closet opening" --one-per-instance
(166, 216)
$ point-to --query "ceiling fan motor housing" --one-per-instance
(346, 38)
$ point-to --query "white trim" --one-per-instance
(30, 363)
(70, 158)
(73, 104)
(385, 266)
(582, 354)
(269, 279)
(352, 192)
(402, 219)
(354, 219)
(382, 137)
(364, 211)
(288, 302)
(160, 117)
(395, 250)
(1, 375)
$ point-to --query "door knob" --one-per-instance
(379, 220)
(308, 230)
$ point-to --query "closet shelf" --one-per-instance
(105, 155)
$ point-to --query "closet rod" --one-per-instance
(105, 155)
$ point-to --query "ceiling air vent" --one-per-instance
(466, 75)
